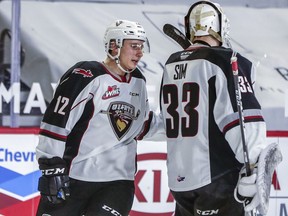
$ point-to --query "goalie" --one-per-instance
(202, 124)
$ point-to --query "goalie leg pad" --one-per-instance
(269, 158)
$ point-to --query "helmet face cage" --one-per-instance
(218, 27)
(120, 30)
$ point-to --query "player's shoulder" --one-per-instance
(221, 56)
(80, 75)
(223, 53)
(200, 52)
(137, 73)
(215, 55)
(85, 70)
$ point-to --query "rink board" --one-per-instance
(19, 176)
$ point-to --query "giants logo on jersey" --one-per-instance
(121, 116)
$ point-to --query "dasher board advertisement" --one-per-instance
(19, 177)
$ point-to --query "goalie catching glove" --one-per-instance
(254, 190)
(54, 182)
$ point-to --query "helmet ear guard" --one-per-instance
(207, 20)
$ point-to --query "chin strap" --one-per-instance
(121, 68)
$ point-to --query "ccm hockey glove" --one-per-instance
(54, 182)
(246, 190)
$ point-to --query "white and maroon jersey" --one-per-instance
(92, 120)
(199, 112)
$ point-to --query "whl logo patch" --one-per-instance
(112, 91)
(121, 116)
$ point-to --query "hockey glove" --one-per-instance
(246, 190)
(54, 182)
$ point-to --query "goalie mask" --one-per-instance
(207, 18)
(120, 30)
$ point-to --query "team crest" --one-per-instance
(83, 72)
(121, 116)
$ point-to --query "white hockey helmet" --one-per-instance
(120, 30)
(207, 18)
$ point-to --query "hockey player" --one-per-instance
(86, 149)
(199, 112)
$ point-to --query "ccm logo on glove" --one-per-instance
(55, 171)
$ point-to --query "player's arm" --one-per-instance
(153, 128)
(64, 111)
(70, 99)
(228, 117)
(252, 190)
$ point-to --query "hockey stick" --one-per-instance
(234, 64)
(174, 33)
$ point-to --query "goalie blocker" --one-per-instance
(54, 182)
(258, 184)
